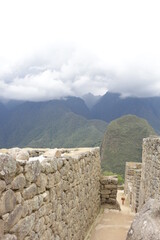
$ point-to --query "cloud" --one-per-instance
(74, 72)
(74, 47)
(54, 76)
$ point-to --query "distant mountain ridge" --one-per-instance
(56, 123)
(111, 106)
(41, 123)
(90, 99)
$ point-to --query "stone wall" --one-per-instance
(136, 189)
(108, 192)
(150, 179)
(146, 223)
(132, 183)
(48, 198)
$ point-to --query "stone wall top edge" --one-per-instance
(82, 149)
(72, 153)
(151, 139)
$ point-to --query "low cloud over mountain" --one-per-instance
(52, 49)
(70, 72)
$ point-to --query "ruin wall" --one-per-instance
(132, 184)
(55, 198)
(108, 189)
(150, 178)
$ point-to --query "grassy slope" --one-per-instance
(123, 142)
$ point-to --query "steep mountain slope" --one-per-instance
(123, 142)
(76, 105)
(90, 99)
(4, 113)
(111, 106)
(51, 124)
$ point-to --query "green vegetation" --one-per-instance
(56, 123)
(69, 131)
(51, 128)
(120, 177)
(123, 143)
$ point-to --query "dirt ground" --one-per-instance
(113, 224)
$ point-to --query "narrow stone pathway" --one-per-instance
(113, 224)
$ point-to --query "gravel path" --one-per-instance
(113, 224)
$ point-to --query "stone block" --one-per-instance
(19, 182)
(111, 201)
(24, 226)
(22, 155)
(30, 192)
(105, 192)
(51, 180)
(1, 228)
(41, 182)
(2, 186)
(13, 217)
(110, 186)
(7, 202)
(9, 237)
(32, 171)
(8, 167)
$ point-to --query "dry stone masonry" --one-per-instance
(49, 194)
(109, 189)
(150, 180)
(132, 183)
(146, 223)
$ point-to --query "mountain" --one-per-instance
(69, 122)
(111, 106)
(123, 142)
(90, 99)
(76, 105)
(53, 123)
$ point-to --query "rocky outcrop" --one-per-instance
(146, 225)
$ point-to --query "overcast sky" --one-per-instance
(55, 48)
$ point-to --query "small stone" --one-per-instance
(52, 153)
(13, 152)
(18, 197)
(30, 192)
(60, 163)
(23, 155)
(19, 182)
